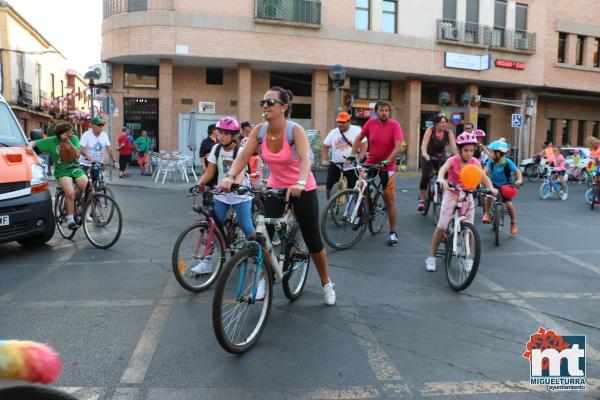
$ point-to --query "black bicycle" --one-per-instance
(98, 214)
(434, 195)
(352, 210)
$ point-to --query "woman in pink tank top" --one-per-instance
(289, 166)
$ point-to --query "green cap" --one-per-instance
(97, 121)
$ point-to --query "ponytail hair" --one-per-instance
(286, 97)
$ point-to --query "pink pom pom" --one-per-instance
(43, 364)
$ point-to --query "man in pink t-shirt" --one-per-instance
(384, 137)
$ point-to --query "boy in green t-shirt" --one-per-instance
(142, 145)
(66, 172)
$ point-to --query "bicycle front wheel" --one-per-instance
(198, 257)
(346, 231)
(379, 214)
(545, 191)
(60, 216)
(34, 393)
(498, 216)
(295, 270)
(462, 263)
(533, 173)
(589, 196)
(102, 221)
(239, 317)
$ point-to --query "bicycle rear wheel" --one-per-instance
(102, 221)
(498, 217)
(60, 216)
(194, 247)
(533, 173)
(238, 318)
(379, 215)
(295, 270)
(337, 210)
(344, 233)
(468, 252)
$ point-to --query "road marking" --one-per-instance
(345, 393)
(470, 388)
(126, 394)
(146, 346)
(528, 309)
(83, 393)
(378, 360)
(562, 255)
(544, 295)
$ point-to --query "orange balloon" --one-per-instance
(470, 176)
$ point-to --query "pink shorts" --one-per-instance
(449, 205)
(144, 160)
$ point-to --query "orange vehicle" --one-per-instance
(25, 202)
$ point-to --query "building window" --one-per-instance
(596, 51)
(214, 76)
(521, 18)
(550, 131)
(449, 9)
(472, 25)
(562, 43)
(389, 18)
(499, 23)
(362, 16)
(580, 133)
(302, 111)
(298, 84)
(370, 90)
(579, 50)
(137, 5)
(141, 76)
(566, 127)
(596, 128)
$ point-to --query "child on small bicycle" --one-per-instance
(220, 159)
(593, 144)
(560, 170)
(500, 170)
(467, 143)
(63, 149)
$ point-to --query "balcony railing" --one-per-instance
(473, 34)
(112, 7)
(304, 12)
(25, 94)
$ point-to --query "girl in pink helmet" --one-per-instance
(467, 144)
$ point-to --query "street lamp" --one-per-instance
(92, 77)
(337, 74)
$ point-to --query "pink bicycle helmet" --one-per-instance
(466, 138)
(479, 133)
(228, 124)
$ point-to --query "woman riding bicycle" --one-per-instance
(500, 170)
(219, 162)
(285, 149)
(64, 152)
(467, 143)
(433, 150)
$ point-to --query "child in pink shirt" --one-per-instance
(466, 142)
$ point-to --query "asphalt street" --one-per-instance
(126, 330)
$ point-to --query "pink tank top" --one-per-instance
(454, 171)
(284, 168)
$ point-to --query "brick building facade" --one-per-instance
(537, 58)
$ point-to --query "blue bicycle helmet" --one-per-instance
(499, 145)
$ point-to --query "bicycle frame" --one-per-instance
(460, 214)
(361, 187)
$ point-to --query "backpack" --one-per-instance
(289, 135)
(235, 153)
(507, 172)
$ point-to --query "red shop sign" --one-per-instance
(510, 64)
(363, 112)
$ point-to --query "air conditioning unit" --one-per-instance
(104, 71)
(449, 32)
(346, 84)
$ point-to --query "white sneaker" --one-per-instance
(329, 293)
(203, 267)
(276, 241)
(468, 265)
(430, 264)
(260, 290)
(88, 218)
(564, 196)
